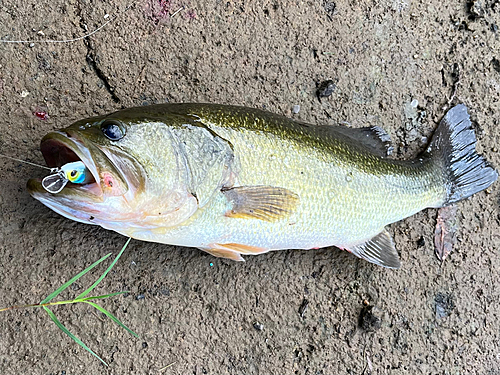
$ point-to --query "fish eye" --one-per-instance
(113, 129)
(73, 173)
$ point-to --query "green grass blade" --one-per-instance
(68, 283)
(105, 272)
(73, 337)
(112, 317)
(74, 300)
(100, 297)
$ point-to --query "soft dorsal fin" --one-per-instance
(266, 203)
(379, 250)
(373, 138)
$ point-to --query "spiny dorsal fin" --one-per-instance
(266, 203)
(373, 138)
(379, 250)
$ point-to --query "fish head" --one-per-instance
(136, 180)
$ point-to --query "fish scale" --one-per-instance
(330, 203)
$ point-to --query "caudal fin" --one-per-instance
(454, 143)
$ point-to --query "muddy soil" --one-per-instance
(289, 312)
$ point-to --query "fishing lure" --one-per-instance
(75, 172)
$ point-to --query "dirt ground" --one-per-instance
(288, 312)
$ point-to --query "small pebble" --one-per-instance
(144, 345)
(303, 307)
(421, 242)
(296, 109)
(24, 94)
(140, 296)
(325, 89)
(369, 319)
(32, 45)
(258, 326)
(414, 103)
(477, 10)
(444, 305)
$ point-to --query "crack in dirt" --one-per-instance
(92, 59)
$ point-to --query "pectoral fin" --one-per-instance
(233, 250)
(379, 250)
(266, 203)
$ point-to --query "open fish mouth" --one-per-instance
(60, 148)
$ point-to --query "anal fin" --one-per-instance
(379, 250)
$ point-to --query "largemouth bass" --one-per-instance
(233, 180)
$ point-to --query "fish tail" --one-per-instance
(454, 145)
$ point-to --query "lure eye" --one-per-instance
(113, 130)
(75, 172)
(76, 177)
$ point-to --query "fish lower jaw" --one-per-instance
(69, 213)
(90, 190)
